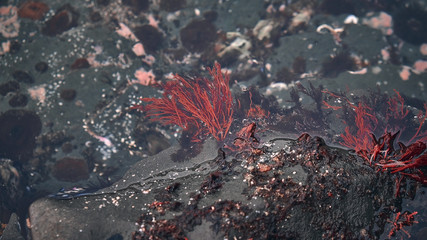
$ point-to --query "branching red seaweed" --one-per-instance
(194, 102)
(400, 220)
(407, 161)
(365, 123)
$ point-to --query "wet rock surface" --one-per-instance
(285, 188)
(13, 229)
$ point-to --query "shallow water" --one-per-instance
(79, 70)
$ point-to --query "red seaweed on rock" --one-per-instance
(367, 122)
(407, 160)
(400, 220)
(198, 103)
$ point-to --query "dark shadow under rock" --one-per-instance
(18, 130)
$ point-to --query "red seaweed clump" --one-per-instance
(400, 220)
(251, 104)
(195, 103)
(380, 115)
(390, 123)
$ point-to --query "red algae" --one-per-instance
(405, 161)
(422, 117)
(397, 106)
(367, 121)
(400, 220)
(198, 103)
(256, 111)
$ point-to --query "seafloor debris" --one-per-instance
(337, 64)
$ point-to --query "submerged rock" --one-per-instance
(285, 188)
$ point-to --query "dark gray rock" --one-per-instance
(284, 189)
(13, 229)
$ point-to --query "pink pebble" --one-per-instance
(138, 49)
(405, 73)
(420, 66)
(143, 77)
(423, 49)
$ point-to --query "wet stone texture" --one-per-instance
(293, 189)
